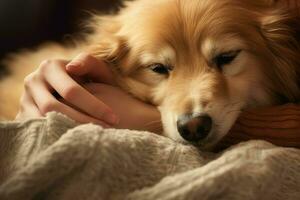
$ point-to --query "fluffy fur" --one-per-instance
(188, 36)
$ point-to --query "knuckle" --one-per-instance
(45, 64)
(21, 100)
(70, 93)
(86, 56)
(48, 106)
(29, 79)
(21, 109)
(49, 63)
(19, 115)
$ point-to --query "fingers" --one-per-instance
(77, 103)
(45, 103)
(28, 108)
(75, 94)
(87, 65)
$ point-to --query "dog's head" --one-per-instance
(201, 62)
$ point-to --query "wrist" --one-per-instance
(153, 116)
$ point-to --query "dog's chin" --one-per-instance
(211, 141)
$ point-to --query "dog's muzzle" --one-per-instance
(194, 128)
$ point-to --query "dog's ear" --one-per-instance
(106, 42)
(280, 28)
(280, 22)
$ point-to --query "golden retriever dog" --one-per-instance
(199, 61)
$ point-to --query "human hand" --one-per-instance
(133, 113)
(52, 77)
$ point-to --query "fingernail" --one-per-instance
(111, 118)
(73, 64)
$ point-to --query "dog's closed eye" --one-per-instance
(225, 58)
(160, 68)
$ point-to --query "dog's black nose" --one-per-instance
(194, 129)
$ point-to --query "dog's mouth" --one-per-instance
(204, 130)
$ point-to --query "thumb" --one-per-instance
(90, 67)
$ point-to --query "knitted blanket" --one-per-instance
(54, 158)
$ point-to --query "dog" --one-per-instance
(201, 62)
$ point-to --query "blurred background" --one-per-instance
(26, 23)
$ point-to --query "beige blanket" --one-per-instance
(53, 158)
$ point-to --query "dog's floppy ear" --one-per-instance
(280, 28)
(280, 23)
(105, 42)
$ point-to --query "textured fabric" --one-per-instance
(279, 125)
(54, 158)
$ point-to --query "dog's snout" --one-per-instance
(194, 129)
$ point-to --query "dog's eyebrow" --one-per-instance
(211, 47)
(147, 58)
(208, 48)
(165, 55)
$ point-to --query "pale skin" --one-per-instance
(84, 89)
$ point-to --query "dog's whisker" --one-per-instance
(155, 124)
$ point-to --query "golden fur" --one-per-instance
(187, 35)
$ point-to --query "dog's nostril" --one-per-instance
(194, 129)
